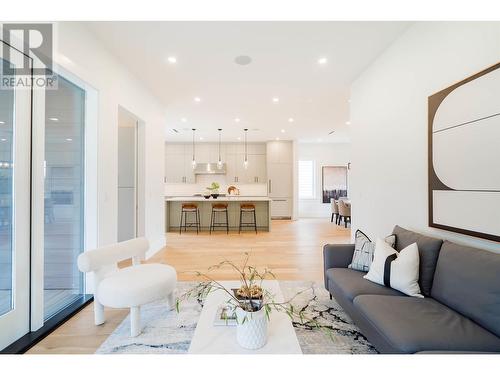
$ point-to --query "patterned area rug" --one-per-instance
(170, 332)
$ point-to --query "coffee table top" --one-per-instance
(211, 339)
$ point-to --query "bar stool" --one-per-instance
(250, 209)
(219, 208)
(186, 209)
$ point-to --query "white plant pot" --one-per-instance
(251, 333)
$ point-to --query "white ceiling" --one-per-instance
(285, 65)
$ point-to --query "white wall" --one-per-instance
(79, 52)
(323, 154)
(389, 122)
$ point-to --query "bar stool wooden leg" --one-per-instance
(198, 219)
(211, 220)
(241, 216)
(197, 222)
(180, 224)
(255, 221)
(227, 222)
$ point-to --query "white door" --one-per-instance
(15, 156)
(127, 180)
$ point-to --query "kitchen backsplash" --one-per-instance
(202, 181)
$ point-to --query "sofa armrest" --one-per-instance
(336, 256)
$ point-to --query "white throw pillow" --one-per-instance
(396, 270)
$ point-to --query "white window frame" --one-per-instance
(313, 181)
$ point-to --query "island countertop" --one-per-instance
(227, 198)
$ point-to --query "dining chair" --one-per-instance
(344, 212)
(334, 209)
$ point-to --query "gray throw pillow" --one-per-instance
(364, 249)
(428, 248)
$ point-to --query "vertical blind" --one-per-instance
(306, 179)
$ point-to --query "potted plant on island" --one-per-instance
(214, 189)
(252, 303)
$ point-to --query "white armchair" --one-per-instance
(128, 287)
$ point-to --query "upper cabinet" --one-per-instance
(279, 152)
(178, 167)
(178, 158)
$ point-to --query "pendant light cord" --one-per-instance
(246, 154)
(193, 143)
(219, 144)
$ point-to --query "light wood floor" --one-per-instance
(293, 250)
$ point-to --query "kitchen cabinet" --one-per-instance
(236, 171)
(178, 158)
(256, 172)
(281, 208)
(280, 178)
(178, 167)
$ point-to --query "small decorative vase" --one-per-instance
(251, 333)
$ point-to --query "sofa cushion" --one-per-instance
(410, 325)
(351, 284)
(428, 249)
(468, 280)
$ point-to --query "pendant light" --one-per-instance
(193, 162)
(219, 162)
(245, 163)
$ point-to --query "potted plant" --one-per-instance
(252, 303)
(214, 189)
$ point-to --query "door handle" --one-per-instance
(270, 187)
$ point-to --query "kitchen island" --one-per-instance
(262, 210)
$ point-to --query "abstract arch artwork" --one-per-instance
(464, 156)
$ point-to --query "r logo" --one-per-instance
(35, 39)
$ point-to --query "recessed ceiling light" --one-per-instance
(322, 60)
(55, 119)
(282, 130)
(197, 99)
(172, 59)
(348, 123)
(239, 138)
(236, 120)
(183, 119)
(69, 139)
(277, 138)
(201, 138)
(276, 99)
(291, 119)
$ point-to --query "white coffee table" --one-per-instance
(211, 339)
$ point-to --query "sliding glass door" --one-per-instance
(63, 195)
(15, 158)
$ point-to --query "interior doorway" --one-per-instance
(130, 175)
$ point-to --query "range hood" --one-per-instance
(209, 168)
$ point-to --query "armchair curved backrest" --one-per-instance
(104, 260)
